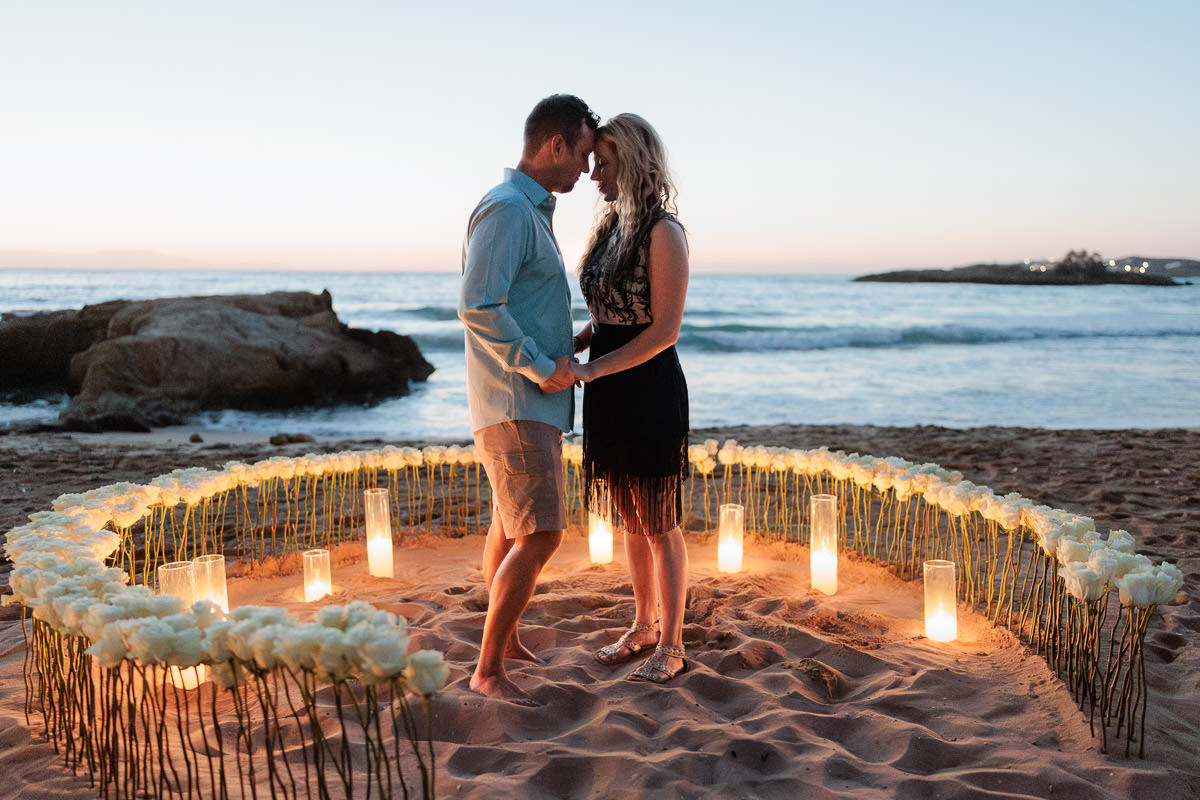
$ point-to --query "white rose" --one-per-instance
(1168, 580)
(1121, 541)
(384, 656)
(334, 659)
(428, 671)
(150, 640)
(1077, 527)
(1049, 538)
(264, 643)
(298, 650)
(1070, 550)
(1137, 588)
(1130, 562)
(110, 649)
(1082, 581)
(1104, 561)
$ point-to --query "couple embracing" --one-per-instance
(522, 367)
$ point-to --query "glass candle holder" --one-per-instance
(823, 558)
(318, 580)
(729, 538)
(210, 580)
(379, 533)
(941, 612)
(600, 540)
(179, 578)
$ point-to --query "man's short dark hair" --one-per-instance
(558, 114)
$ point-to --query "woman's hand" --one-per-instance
(585, 372)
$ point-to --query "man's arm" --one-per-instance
(496, 246)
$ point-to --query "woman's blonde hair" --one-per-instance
(645, 190)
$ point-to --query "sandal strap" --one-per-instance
(670, 650)
(626, 639)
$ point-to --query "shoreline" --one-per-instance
(1146, 481)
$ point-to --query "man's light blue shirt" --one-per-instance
(515, 304)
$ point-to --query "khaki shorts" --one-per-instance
(523, 461)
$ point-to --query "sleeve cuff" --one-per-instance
(542, 368)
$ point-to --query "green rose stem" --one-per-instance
(408, 721)
(272, 733)
(376, 715)
(1116, 649)
(209, 689)
(182, 719)
(428, 703)
(236, 693)
(343, 766)
(320, 749)
(158, 706)
(299, 715)
(396, 690)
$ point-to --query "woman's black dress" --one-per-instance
(635, 422)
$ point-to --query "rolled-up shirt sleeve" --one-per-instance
(497, 244)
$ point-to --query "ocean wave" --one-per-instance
(435, 313)
(750, 338)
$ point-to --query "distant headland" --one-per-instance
(1075, 269)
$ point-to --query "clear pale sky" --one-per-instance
(813, 137)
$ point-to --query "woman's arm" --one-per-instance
(667, 270)
(583, 340)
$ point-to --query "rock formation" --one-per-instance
(132, 365)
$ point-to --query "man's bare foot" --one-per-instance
(514, 649)
(499, 687)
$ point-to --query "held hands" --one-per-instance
(562, 377)
(567, 372)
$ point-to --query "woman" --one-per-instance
(635, 412)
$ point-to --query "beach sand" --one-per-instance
(790, 694)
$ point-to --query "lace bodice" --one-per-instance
(617, 296)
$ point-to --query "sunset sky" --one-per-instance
(809, 137)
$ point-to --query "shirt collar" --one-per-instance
(530, 188)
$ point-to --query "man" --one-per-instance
(515, 304)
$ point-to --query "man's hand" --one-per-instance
(562, 377)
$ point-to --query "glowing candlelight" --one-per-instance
(210, 580)
(379, 533)
(823, 559)
(941, 614)
(729, 538)
(317, 580)
(600, 540)
(179, 578)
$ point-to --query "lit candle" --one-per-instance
(379, 533)
(729, 538)
(941, 614)
(823, 556)
(317, 582)
(600, 540)
(210, 580)
(941, 626)
(179, 578)
(187, 678)
(824, 564)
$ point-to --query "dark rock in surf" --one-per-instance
(136, 365)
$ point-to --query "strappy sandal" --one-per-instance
(655, 669)
(611, 654)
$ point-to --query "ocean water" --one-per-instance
(760, 349)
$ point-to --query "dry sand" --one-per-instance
(791, 694)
